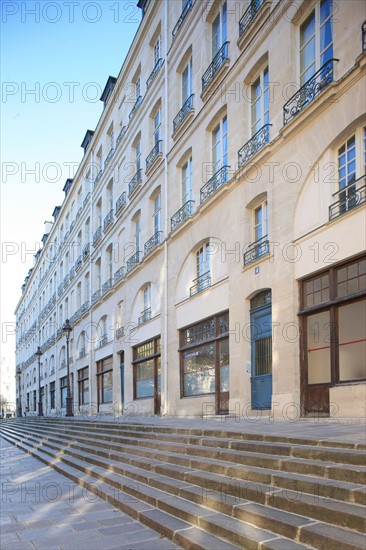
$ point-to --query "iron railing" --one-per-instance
(121, 203)
(86, 200)
(135, 107)
(182, 214)
(158, 64)
(134, 260)
(78, 263)
(120, 332)
(154, 154)
(257, 142)
(256, 250)
(187, 6)
(84, 308)
(86, 250)
(200, 283)
(97, 235)
(217, 62)
(121, 134)
(108, 220)
(214, 183)
(109, 156)
(249, 15)
(145, 316)
(135, 182)
(119, 274)
(152, 242)
(98, 177)
(309, 91)
(349, 197)
(183, 113)
(95, 297)
(107, 286)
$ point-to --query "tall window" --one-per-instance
(351, 168)
(138, 155)
(187, 194)
(98, 274)
(147, 297)
(146, 369)
(203, 260)
(86, 287)
(52, 395)
(157, 126)
(63, 391)
(260, 101)
(261, 221)
(110, 196)
(219, 145)
(138, 87)
(157, 50)
(83, 386)
(219, 30)
(187, 81)
(105, 380)
(78, 296)
(316, 40)
(110, 262)
(157, 213)
(138, 232)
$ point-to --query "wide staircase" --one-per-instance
(211, 489)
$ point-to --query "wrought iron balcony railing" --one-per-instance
(121, 134)
(349, 197)
(72, 273)
(97, 235)
(135, 182)
(257, 142)
(364, 36)
(84, 308)
(79, 263)
(135, 107)
(200, 283)
(109, 156)
(134, 260)
(121, 203)
(66, 280)
(108, 220)
(152, 242)
(86, 250)
(107, 286)
(182, 214)
(86, 200)
(145, 316)
(187, 6)
(309, 91)
(214, 183)
(120, 332)
(217, 62)
(249, 15)
(98, 177)
(95, 297)
(183, 113)
(153, 74)
(79, 212)
(119, 274)
(256, 250)
(154, 154)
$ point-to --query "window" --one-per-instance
(138, 233)
(147, 297)
(138, 87)
(157, 214)
(157, 50)
(219, 30)
(204, 352)
(63, 391)
(261, 221)
(219, 145)
(78, 296)
(110, 263)
(316, 40)
(98, 274)
(105, 380)
(157, 127)
(203, 260)
(110, 195)
(52, 395)
(146, 369)
(138, 156)
(187, 81)
(187, 194)
(83, 386)
(260, 101)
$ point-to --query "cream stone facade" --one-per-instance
(210, 249)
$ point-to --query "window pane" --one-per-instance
(318, 348)
(107, 387)
(199, 371)
(145, 379)
(352, 344)
(224, 365)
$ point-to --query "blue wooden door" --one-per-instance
(261, 342)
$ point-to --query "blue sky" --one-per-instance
(56, 57)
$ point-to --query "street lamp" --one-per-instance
(67, 328)
(40, 408)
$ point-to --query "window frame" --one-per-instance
(104, 367)
(137, 361)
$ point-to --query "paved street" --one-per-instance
(41, 509)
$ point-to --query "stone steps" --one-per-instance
(204, 480)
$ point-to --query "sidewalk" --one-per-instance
(41, 509)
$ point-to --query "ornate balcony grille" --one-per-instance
(72, 273)
(121, 134)
(134, 260)
(84, 308)
(86, 251)
(108, 220)
(98, 176)
(86, 200)
(188, 5)
(120, 332)
(257, 142)
(66, 280)
(249, 15)
(152, 242)
(200, 283)
(145, 316)
(309, 91)
(107, 286)
(183, 113)
(121, 203)
(217, 62)
(97, 235)
(135, 107)
(182, 214)
(95, 297)
(78, 262)
(349, 197)
(364, 36)
(109, 156)
(158, 64)
(135, 182)
(79, 212)
(154, 153)
(214, 183)
(119, 274)
(256, 250)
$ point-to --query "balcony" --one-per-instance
(109, 156)
(153, 242)
(183, 113)
(181, 215)
(84, 308)
(133, 261)
(72, 273)
(214, 183)
(218, 61)
(257, 142)
(121, 203)
(256, 250)
(200, 283)
(154, 154)
(86, 251)
(135, 107)
(78, 263)
(108, 220)
(349, 198)
(121, 134)
(95, 297)
(135, 183)
(188, 5)
(309, 91)
(145, 316)
(119, 274)
(249, 14)
(97, 235)
(107, 286)
(120, 332)
(86, 200)
(98, 177)
(153, 74)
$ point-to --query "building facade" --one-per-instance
(210, 249)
